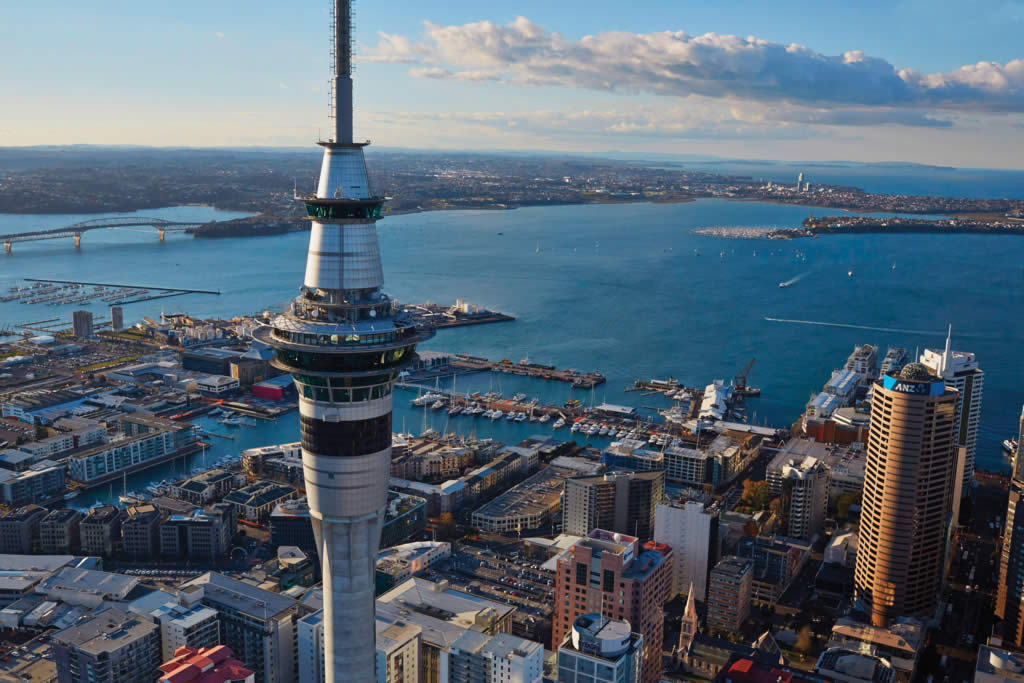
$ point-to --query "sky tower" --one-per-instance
(344, 346)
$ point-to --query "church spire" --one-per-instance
(688, 624)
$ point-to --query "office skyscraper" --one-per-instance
(908, 491)
(691, 530)
(344, 346)
(960, 370)
(612, 575)
(618, 501)
(1010, 591)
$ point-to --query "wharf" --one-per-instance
(441, 316)
(579, 380)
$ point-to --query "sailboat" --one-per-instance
(538, 247)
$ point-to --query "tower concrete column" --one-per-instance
(78, 240)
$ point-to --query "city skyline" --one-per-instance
(766, 83)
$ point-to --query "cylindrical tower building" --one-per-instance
(345, 345)
(908, 489)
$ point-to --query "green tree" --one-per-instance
(843, 504)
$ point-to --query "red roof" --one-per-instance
(208, 665)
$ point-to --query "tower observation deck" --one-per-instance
(345, 345)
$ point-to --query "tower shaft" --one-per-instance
(345, 346)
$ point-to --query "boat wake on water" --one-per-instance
(866, 327)
(793, 281)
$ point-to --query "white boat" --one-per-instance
(511, 415)
(519, 397)
(594, 429)
(653, 438)
(559, 423)
(849, 273)
(428, 398)
(603, 431)
(487, 413)
(497, 414)
(544, 418)
(521, 417)
(71, 494)
(575, 426)
(437, 405)
(454, 410)
(1010, 446)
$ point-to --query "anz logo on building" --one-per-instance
(923, 388)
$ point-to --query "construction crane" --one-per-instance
(739, 382)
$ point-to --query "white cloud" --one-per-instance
(712, 65)
(219, 34)
(283, 86)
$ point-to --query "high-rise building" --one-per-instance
(600, 650)
(960, 371)
(59, 533)
(691, 530)
(801, 482)
(81, 323)
(109, 647)
(140, 535)
(101, 531)
(908, 495)
(344, 345)
(729, 593)
(622, 502)
(611, 574)
(398, 653)
(116, 318)
(1010, 591)
(258, 626)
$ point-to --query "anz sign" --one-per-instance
(922, 388)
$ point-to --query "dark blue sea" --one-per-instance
(628, 290)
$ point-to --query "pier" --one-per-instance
(579, 380)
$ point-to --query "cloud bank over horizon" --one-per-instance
(847, 89)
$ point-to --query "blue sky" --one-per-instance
(932, 82)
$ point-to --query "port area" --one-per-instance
(461, 314)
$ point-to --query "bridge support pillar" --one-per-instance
(7, 247)
(160, 233)
(78, 240)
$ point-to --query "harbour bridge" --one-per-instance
(162, 226)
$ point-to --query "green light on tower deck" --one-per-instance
(343, 211)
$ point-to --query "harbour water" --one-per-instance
(627, 290)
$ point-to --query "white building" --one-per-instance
(196, 626)
(692, 532)
(960, 370)
(802, 483)
(216, 385)
(398, 652)
(310, 636)
(503, 658)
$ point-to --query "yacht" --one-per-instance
(427, 398)
(559, 423)
(519, 397)
(594, 429)
(521, 417)
(71, 494)
(437, 405)
(575, 427)
(496, 414)
(1010, 446)
(546, 418)
(454, 410)
(487, 413)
